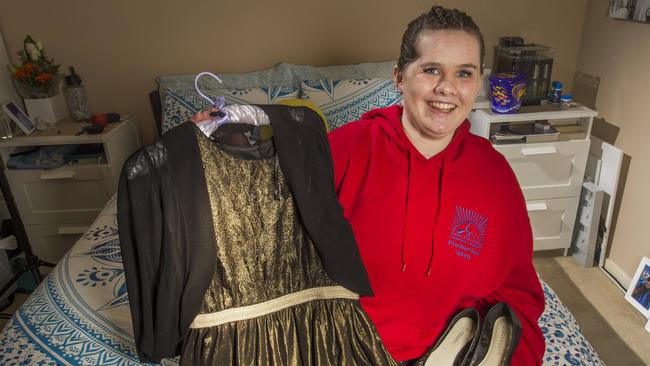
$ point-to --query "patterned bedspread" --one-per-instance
(79, 315)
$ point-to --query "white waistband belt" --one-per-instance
(267, 307)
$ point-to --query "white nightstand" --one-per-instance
(58, 205)
(550, 168)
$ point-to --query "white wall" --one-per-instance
(7, 90)
(619, 53)
(120, 46)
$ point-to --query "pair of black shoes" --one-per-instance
(470, 340)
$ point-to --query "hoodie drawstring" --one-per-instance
(436, 218)
(391, 125)
(434, 234)
(406, 206)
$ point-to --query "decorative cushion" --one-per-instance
(368, 70)
(283, 74)
(343, 101)
(308, 104)
(180, 104)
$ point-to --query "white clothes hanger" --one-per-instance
(234, 113)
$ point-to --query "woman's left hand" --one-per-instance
(204, 115)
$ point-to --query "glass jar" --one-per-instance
(76, 97)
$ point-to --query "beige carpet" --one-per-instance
(612, 326)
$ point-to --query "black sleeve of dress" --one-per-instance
(306, 161)
(153, 269)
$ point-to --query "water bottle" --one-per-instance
(76, 97)
(556, 92)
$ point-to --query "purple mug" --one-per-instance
(507, 91)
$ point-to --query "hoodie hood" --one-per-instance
(389, 120)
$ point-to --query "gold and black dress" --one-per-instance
(236, 251)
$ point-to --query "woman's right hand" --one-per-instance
(204, 115)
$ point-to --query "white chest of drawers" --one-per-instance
(550, 173)
(57, 205)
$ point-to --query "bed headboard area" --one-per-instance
(343, 93)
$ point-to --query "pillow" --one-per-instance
(368, 70)
(180, 104)
(308, 104)
(279, 75)
(343, 101)
(283, 74)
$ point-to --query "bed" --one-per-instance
(80, 313)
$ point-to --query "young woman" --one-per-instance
(438, 215)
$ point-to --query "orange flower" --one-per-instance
(20, 74)
(28, 67)
(44, 77)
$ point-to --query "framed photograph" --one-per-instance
(638, 294)
(14, 113)
(634, 10)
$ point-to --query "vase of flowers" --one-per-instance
(37, 80)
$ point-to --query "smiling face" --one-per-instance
(439, 86)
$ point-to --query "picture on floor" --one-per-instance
(635, 10)
(639, 291)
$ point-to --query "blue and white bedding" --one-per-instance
(80, 315)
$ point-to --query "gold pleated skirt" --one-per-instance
(264, 254)
(316, 333)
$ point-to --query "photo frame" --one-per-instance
(638, 294)
(13, 112)
(633, 10)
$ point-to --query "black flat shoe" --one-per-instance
(499, 337)
(453, 347)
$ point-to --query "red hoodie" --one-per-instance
(436, 235)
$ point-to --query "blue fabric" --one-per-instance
(283, 74)
(346, 100)
(180, 104)
(44, 157)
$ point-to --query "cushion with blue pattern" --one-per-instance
(180, 104)
(343, 101)
(281, 75)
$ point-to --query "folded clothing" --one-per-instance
(44, 157)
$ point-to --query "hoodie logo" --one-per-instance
(467, 232)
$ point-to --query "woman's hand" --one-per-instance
(205, 115)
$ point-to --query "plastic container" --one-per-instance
(556, 92)
(76, 97)
(507, 91)
(534, 60)
(566, 101)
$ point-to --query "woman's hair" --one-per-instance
(438, 18)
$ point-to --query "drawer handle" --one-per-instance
(539, 150)
(65, 174)
(536, 207)
(70, 230)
